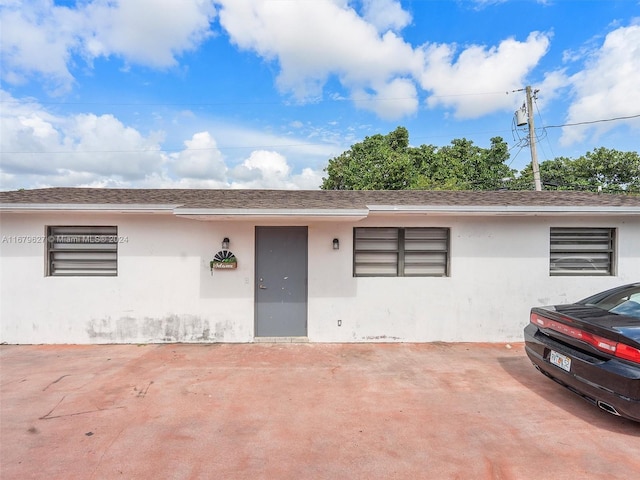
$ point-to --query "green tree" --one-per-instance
(493, 170)
(465, 166)
(451, 165)
(611, 170)
(387, 162)
(379, 162)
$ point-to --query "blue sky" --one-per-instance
(261, 94)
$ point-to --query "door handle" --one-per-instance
(262, 287)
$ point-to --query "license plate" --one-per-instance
(560, 360)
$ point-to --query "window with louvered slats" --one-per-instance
(582, 251)
(82, 251)
(401, 252)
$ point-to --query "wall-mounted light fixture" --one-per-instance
(225, 243)
(336, 244)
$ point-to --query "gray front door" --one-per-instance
(281, 281)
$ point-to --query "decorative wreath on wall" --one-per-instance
(223, 260)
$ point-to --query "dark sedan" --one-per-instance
(592, 347)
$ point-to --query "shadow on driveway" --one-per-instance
(550, 392)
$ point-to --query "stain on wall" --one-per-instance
(152, 328)
(169, 329)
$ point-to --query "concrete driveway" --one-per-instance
(299, 411)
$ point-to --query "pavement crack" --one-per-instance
(95, 470)
(21, 380)
(143, 393)
(51, 411)
(48, 416)
(55, 381)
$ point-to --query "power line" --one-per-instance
(218, 147)
(212, 104)
(174, 150)
(517, 153)
(593, 121)
(535, 102)
(292, 145)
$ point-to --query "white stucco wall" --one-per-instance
(165, 292)
(499, 269)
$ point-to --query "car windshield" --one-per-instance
(623, 302)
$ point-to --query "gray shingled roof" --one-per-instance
(311, 199)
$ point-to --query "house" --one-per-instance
(139, 266)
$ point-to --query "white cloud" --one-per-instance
(148, 32)
(480, 4)
(385, 14)
(42, 39)
(201, 159)
(312, 41)
(553, 87)
(304, 144)
(392, 100)
(607, 87)
(263, 169)
(309, 179)
(268, 169)
(36, 142)
(38, 39)
(480, 70)
(40, 149)
(104, 145)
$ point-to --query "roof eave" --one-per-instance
(86, 207)
(212, 214)
(333, 214)
(519, 210)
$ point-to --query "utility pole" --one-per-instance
(532, 140)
